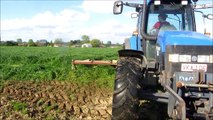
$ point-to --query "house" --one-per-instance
(86, 45)
(58, 45)
(42, 42)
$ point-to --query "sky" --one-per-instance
(70, 19)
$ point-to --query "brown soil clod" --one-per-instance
(54, 100)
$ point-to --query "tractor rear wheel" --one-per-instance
(125, 97)
(211, 114)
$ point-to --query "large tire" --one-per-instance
(125, 97)
(210, 117)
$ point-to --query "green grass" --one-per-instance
(19, 106)
(49, 63)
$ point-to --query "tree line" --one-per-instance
(85, 39)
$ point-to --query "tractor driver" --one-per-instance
(161, 22)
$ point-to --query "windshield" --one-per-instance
(169, 17)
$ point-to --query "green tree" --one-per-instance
(10, 43)
(58, 41)
(31, 43)
(95, 43)
(108, 44)
(51, 43)
(19, 40)
(74, 42)
(85, 39)
(71, 43)
(37, 42)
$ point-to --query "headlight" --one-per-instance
(179, 58)
(184, 58)
(203, 58)
(211, 58)
(173, 57)
(190, 58)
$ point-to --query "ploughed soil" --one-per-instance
(58, 100)
(63, 100)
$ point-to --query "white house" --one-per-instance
(86, 45)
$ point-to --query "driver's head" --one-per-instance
(162, 16)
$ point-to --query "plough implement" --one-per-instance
(93, 62)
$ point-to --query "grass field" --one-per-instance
(39, 83)
(48, 63)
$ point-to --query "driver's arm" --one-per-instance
(156, 26)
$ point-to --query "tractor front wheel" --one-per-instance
(125, 97)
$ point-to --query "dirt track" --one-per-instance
(54, 100)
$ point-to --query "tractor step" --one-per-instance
(160, 97)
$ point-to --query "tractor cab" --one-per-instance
(178, 15)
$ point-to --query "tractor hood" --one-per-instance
(183, 38)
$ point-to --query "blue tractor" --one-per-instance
(169, 64)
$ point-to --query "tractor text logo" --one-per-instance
(186, 78)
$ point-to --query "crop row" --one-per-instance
(48, 63)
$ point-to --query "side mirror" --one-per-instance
(118, 7)
(209, 16)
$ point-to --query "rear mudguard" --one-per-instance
(130, 53)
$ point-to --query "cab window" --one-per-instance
(168, 17)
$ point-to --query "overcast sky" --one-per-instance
(69, 20)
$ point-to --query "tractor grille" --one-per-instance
(189, 58)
